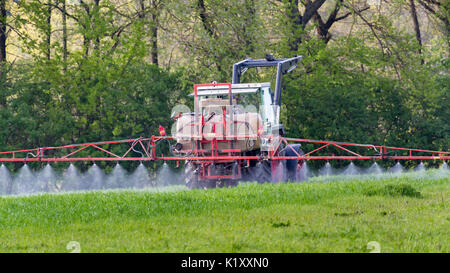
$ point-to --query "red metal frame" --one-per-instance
(146, 147)
(66, 154)
(199, 135)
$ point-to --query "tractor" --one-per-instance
(234, 131)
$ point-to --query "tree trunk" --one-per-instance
(416, 27)
(154, 27)
(154, 42)
(440, 11)
(209, 28)
(2, 35)
(206, 20)
(323, 27)
(249, 22)
(64, 29)
(49, 28)
(86, 40)
(97, 37)
(295, 23)
(298, 21)
(154, 32)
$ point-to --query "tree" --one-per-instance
(64, 31)
(323, 27)
(2, 37)
(48, 31)
(213, 34)
(416, 26)
(440, 9)
(102, 69)
(150, 15)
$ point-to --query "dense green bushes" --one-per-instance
(36, 112)
(375, 84)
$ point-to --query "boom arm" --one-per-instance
(283, 66)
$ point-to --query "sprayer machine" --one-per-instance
(233, 134)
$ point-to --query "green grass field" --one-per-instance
(408, 213)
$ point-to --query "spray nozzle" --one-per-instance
(235, 170)
(212, 169)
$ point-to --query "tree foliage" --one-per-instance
(87, 70)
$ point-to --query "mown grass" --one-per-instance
(407, 213)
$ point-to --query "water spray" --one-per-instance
(213, 156)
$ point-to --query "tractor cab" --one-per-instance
(242, 113)
(245, 98)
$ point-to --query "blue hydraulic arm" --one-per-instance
(283, 66)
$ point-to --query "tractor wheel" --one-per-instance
(263, 172)
(191, 176)
(208, 184)
(294, 167)
(230, 183)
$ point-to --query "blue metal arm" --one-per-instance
(283, 66)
